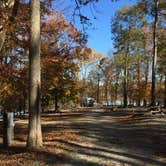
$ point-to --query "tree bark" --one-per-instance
(146, 80)
(154, 60)
(8, 131)
(98, 87)
(35, 134)
(2, 38)
(106, 91)
(165, 92)
(56, 103)
(125, 94)
(138, 79)
(116, 87)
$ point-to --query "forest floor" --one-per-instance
(92, 138)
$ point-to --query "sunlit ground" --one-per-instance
(93, 138)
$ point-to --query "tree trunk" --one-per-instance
(154, 60)
(138, 80)
(125, 95)
(125, 92)
(165, 92)
(98, 87)
(35, 135)
(2, 38)
(56, 103)
(106, 92)
(8, 131)
(125, 84)
(146, 81)
(116, 87)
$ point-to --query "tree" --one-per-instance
(12, 89)
(35, 135)
(8, 12)
(117, 69)
(127, 40)
(154, 58)
(161, 67)
(155, 9)
(20, 47)
(63, 48)
(12, 71)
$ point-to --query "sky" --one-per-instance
(100, 37)
(100, 33)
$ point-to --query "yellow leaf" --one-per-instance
(68, 93)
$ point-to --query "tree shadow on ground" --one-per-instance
(39, 157)
(144, 136)
(94, 138)
(100, 153)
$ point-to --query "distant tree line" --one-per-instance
(135, 72)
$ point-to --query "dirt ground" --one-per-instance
(92, 138)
